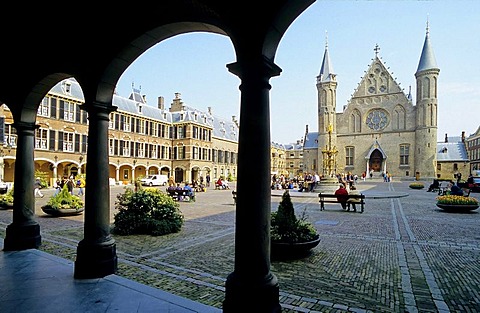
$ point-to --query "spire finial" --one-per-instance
(428, 26)
(326, 39)
(376, 49)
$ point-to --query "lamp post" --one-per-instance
(80, 166)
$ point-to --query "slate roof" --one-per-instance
(136, 105)
(453, 150)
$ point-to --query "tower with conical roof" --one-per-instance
(426, 112)
(327, 99)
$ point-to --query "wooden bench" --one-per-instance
(183, 194)
(331, 198)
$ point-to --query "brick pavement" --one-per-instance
(400, 255)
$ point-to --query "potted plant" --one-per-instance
(64, 203)
(457, 203)
(290, 236)
(6, 200)
(416, 185)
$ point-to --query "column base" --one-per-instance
(22, 237)
(242, 296)
(95, 260)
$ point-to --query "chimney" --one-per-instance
(161, 103)
(446, 138)
(463, 136)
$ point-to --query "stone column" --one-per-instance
(252, 284)
(96, 252)
(117, 174)
(24, 232)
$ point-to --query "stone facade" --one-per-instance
(380, 129)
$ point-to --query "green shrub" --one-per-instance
(146, 211)
(286, 227)
(7, 198)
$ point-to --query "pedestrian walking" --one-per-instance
(80, 185)
(37, 186)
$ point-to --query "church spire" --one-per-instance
(326, 70)
(427, 59)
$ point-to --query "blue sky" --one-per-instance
(195, 64)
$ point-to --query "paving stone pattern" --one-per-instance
(400, 255)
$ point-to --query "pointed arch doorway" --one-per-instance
(376, 161)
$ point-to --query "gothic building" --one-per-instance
(380, 129)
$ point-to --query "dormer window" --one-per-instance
(67, 87)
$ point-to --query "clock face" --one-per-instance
(377, 119)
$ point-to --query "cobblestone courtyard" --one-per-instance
(400, 255)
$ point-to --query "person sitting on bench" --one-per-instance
(456, 191)
(191, 193)
(434, 187)
(342, 191)
(353, 201)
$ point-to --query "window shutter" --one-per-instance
(53, 108)
(61, 109)
(60, 141)
(51, 139)
(77, 143)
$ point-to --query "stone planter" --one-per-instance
(61, 212)
(282, 250)
(6, 206)
(416, 186)
(457, 207)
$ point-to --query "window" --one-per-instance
(41, 138)
(350, 156)
(67, 87)
(126, 149)
(111, 146)
(126, 125)
(404, 154)
(68, 143)
(43, 109)
(141, 149)
(69, 111)
(439, 166)
(111, 122)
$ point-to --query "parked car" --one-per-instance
(473, 183)
(155, 180)
(475, 186)
(3, 187)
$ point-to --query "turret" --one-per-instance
(327, 99)
(426, 112)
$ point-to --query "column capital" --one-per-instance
(98, 109)
(25, 126)
(259, 65)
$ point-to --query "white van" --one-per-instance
(155, 180)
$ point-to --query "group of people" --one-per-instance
(190, 190)
(69, 181)
(452, 188)
(222, 183)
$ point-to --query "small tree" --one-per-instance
(286, 227)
